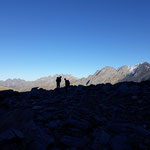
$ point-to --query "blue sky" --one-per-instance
(46, 37)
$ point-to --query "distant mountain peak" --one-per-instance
(138, 72)
(132, 69)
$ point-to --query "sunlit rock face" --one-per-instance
(139, 72)
(105, 117)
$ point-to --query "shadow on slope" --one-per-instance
(105, 116)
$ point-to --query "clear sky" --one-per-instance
(46, 37)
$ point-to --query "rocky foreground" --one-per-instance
(102, 117)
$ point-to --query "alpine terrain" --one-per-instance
(137, 73)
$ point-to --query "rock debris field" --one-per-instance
(101, 117)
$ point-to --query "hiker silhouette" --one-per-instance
(67, 83)
(58, 80)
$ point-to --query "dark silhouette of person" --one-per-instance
(67, 84)
(58, 80)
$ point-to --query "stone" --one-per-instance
(37, 107)
(53, 123)
(101, 138)
(134, 97)
(103, 116)
(120, 142)
(72, 141)
(81, 124)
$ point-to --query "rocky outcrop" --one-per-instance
(105, 117)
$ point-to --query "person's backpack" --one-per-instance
(67, 82)
(59, 79)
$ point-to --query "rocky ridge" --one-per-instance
(101, 117)
(137, 73)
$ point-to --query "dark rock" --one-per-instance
(73, 141)
(120, 142)
(106, 116)
(101, 139)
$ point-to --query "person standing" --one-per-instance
(58, 81)
(67, 84)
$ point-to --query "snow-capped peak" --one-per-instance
(132, 69)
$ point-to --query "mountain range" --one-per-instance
(137, 73)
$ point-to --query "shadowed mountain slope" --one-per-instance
(137, 73)
(101, 117)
